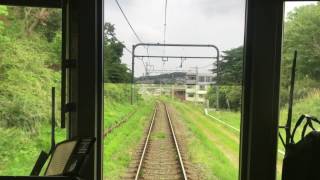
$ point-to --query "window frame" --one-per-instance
(92, 13)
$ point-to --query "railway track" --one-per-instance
(119, 124)
(160, 156)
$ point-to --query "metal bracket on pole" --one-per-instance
(217, 57)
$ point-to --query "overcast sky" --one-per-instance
(218, 22)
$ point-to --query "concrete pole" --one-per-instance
(196, 88)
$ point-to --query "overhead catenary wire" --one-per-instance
(165, 21)
(134, 32)
(130, 52)
(165, 28)
(128, 22)
(144, 64)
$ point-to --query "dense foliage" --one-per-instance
(229, 97)
(30, 60)
(229, 80)
(301, 33)
(230, 67)
(29, 65)
(114, 70)
(3, 12)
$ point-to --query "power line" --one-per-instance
(165, 21)
(144, 64)
(165, 27)
(130, 52)
(206, 66)
(126, 18)
(134, 32)
(125, 47)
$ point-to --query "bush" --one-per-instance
(229, 97)
(120, 92)
(25, 83)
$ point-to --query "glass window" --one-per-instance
(301, 34)
(130, 23)
(30, 65)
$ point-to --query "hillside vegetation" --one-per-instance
(30, 41)
(30, 64)
(212, 147)
(301, 34)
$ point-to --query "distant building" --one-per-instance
(197, 86)
(190, 87)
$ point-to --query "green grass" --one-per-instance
(119, 146)
(230, 117)
(114, 112)
(19, 150)
(309, 105)
(212, 147)
(159, 135)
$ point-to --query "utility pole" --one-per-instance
(217, 83)
(172, 91)
(196, 88)
(165, 58)
(132, 74)
(160, 89)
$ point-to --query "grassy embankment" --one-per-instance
(19, 150)
(309, 105)
(120, 144)
(211, 147)
(233, 119)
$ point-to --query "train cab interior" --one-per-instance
(82, 89)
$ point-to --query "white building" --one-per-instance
(197, 86)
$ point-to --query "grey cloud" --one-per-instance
(220, 7)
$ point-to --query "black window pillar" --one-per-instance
(260, 110)
(85, 81)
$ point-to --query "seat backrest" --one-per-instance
(69, 156)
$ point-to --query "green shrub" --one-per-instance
(25, 83)
(229, 97)
(120, 92)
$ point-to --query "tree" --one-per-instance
(229, 97)
(229, 80)
(230, 67)
(3, 14)
(302, 33)
(26, 70)
(114, 70)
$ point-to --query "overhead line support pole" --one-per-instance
(217, 57)
(132, 73)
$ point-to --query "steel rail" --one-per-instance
(146, 144)
(176, 144)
